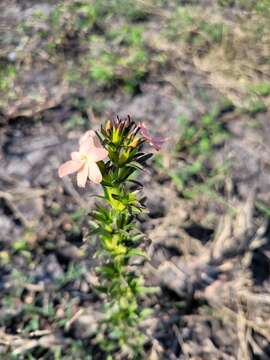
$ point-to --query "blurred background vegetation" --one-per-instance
(197, 71)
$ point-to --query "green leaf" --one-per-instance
(137, 252)
(136, 165)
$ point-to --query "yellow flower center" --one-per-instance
(86, 158)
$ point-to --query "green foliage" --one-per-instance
(78, 17)
(263, 208)
(263, 7)
(73, 17)
(127, 34)
(196, 145)
(255, 100)
(115, 225)
(101, 68)
(262, 89)
(115, 54)
(43, 310)
(19, 245)
(227, 3)
(200, 138)
(104, 45)
(254, 105)
(7, 76)
(129, 9)
(260, 6)
(126, 62)
(75, 121)
(200, 37)
(73, 273)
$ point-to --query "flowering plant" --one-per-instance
(111, 157)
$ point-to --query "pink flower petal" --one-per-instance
(88, 135)
(75, 155)
(94, 173)
(98, 154)
(69, 167)
(97, 142)
(82, 176)
(88, 141)
(160, 139)
(155, 146)
(155, 141)
(144, 130)
(86, 146)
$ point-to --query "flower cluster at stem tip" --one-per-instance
(119, 133)
(111, 157)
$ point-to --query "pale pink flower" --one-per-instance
(155, 141)
(84, 161)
